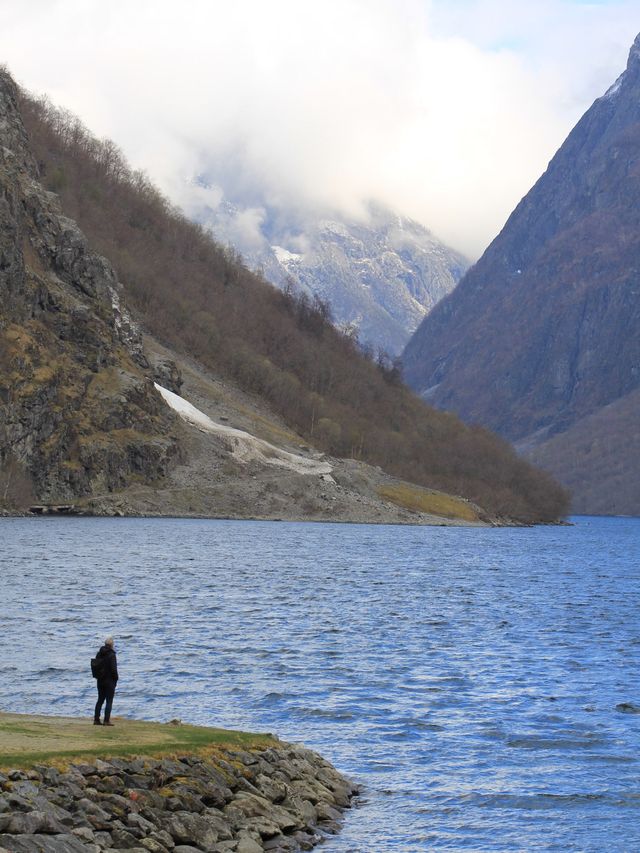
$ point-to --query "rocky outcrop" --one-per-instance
(283, 798)
(542, 332)
(78, 411)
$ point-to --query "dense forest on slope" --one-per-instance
(197, 297)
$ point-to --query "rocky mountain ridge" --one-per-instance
(380, 273)
(542, 332)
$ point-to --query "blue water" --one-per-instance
(468, 677)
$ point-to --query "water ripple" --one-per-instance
(483, 684)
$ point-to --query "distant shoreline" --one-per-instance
(420, 521)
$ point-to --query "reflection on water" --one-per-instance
(469, 678)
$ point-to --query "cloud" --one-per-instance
(448, 110)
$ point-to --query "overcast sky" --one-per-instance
(446, 110)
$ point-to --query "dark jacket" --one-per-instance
(109, 666)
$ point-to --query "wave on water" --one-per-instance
(481, 684)
(574, 741)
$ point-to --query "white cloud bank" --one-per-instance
(446, 110)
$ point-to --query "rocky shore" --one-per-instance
(280, 798)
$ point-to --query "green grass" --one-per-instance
(28, 740)
(417, 499)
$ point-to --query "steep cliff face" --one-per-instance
(542, 331)
(78, 411)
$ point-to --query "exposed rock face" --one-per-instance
(78, 411)
(279, 799)
(380, 275)
(543, 331)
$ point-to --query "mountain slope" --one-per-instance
(597, 457)
(542, 331)
(380, 274)
(280, 351)
(78, 412)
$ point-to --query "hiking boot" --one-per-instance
(97, 723)
(107, 723)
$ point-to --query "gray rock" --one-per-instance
(41, 803)
(18, 803)
(272, 789)
(307, 840)
(163, 838)
(152, 845)
(627, 708)
(245, 785)
(308, 814)
(148, 800)
(227, 846)
(104, 767)
(49, 775)
(281, 844)
(25, 788)
(42, 844)
(216, 795)
(186, 828)
(236, 818)
(85, 769)
(85, 834)
(110, 784)
(251, 805)
(136, 820)
(70, 789)
(122, 839)
(327, 812)
(248, 844)
(96, 815)
(309, 789)
(103, 839)
(32, 823)
(216, 819)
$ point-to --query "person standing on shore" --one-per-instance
(107, 668)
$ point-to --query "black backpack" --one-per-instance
(96, 667)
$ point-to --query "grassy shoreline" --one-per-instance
(29, 739)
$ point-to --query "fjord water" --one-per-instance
(468, 678)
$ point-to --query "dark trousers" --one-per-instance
(105, 693)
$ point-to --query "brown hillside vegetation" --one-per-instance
(594, 457)
(199, 298)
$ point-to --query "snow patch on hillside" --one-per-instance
(284, 256)
(613, 90)
(244, 446)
